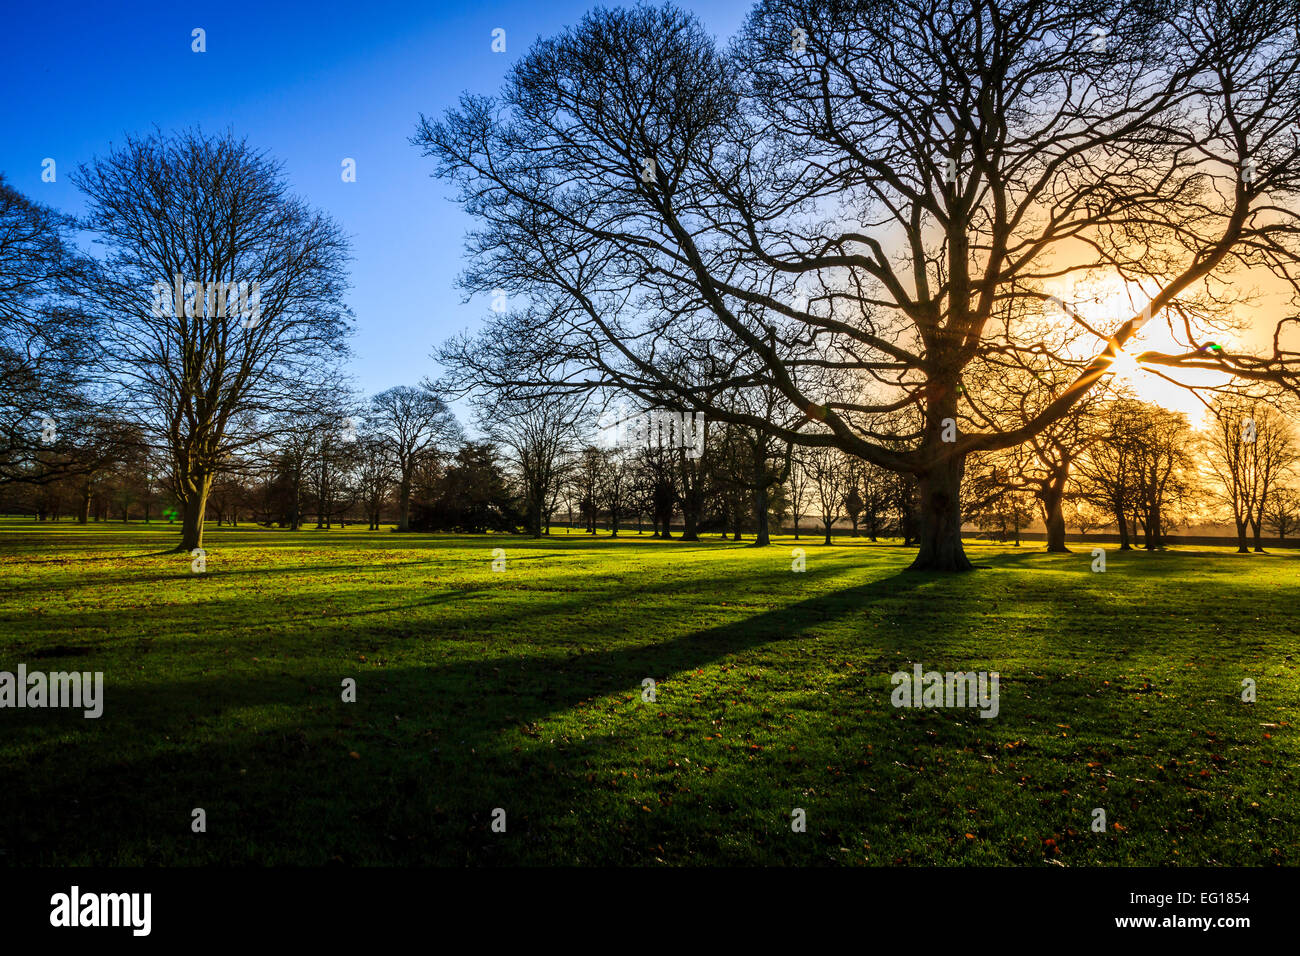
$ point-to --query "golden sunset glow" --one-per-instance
(1106, 303)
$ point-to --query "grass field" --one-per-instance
(522, 690)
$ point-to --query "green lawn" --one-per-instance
(522, 690)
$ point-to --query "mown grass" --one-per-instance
(522, 690)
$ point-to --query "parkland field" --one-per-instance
(522, 690)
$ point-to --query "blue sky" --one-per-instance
(311, 83)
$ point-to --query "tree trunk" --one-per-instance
(1151, 530)
(761, 539)
(295, 515)
(690, 521)
(404, 506)
(940, 532)
(1055, 517)
(192, 519)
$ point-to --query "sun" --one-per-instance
(1125, 367)
(1104, 304)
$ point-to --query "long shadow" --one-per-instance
(437, 747)
(498, 618)
(502, 616)
(114, 795)
(216, 571)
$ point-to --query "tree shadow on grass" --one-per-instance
(268, 757)
(511, 602)
(412, 772)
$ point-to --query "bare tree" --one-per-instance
(414, 424)
(374, 477)
(828, 474)
(1166, 476)
(536, 437)
(758, 462)
(586, 477)
(184, 216)
(801, 491)
(875, 483)
(1007, 390)
(1283, 512)
(1250, 447)
(695, 474)
(854, 504)
(99, 444)
(614, 487)
(330, 476)
(1083, 515)
(295, 444)
(1110, 468)
(854, 190)
(1004, 515)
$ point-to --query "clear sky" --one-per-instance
(312, 83)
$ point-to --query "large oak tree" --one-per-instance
(839, 206)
